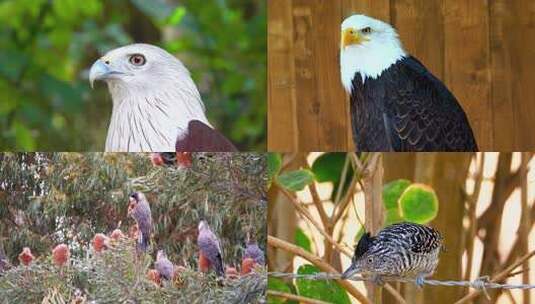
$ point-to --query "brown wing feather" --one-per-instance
(202, 138)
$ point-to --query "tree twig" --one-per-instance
(307, 214)
(317, 261)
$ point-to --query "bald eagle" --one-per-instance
(156, 105)
(396, 103)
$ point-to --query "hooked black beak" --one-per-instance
(349, 272)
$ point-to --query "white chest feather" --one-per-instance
(146, 122)
(369, 59)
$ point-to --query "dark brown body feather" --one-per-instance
(407, 109)
(202, 138)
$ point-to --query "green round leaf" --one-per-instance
(302, 240)
(418, 204)
(392, 191)
(274, 162)
(392, 216)
(278, 285)
(325, 290)
(329, 166)
(295, 180)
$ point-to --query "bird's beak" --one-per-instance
(100, 71)
(349, 272)
(350, 37)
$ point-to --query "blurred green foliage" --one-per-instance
(46, 48)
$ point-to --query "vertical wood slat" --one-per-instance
(482, 50)
(501, 75)
(281, 79)
(420, 25)
(522, 38)
(335, 134)
(308, 104)
(467, 60)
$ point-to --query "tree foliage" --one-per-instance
(46, 48)
(51, 198)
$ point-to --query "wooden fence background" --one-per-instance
(484, 51)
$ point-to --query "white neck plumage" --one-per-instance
(149, 120)
(370, 59)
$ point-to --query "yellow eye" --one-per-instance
(137, 59)
(366, 30)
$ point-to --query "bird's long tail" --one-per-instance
(143, 242)
(218, 265)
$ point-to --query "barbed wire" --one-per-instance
(481, 283)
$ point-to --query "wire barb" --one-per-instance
(482, 283)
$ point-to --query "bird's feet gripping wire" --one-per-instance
(420, 281)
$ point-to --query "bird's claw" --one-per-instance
(420, 281)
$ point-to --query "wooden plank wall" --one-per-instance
(484, 50)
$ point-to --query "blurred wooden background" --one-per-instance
(483, 50)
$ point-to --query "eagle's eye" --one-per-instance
(366, 30)
(137, 59)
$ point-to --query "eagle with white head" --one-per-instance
(156, 105)
(396, 103)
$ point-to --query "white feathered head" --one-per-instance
(153, 95)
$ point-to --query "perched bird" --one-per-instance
(247, 265)
(400, 250)
(396, 103)
(204, 263)
(209, 248)
(100, 242)
(156, 105)
(26, 257)
(253, 251)
(139, 210)
(164, 267)
(61, 255)
(117, 234)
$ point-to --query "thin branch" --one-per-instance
(319, 205)
(307, 214)
(472, 201)
(344, 202)
(317, 261)
(290, 296)
(343, 177)
(524, 227)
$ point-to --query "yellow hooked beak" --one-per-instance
(351, 36)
